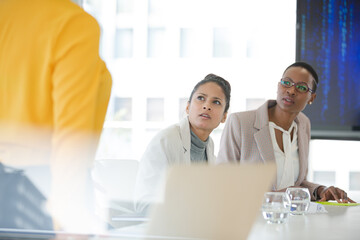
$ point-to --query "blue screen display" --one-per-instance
(328, 38)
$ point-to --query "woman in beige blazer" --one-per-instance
(279, 132)
(184, 143)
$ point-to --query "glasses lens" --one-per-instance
(286, 83)
(302, 87)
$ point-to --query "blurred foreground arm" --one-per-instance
(81, 91)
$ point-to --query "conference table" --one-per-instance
(340, 222)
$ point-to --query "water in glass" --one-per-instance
(300, 200)
(275, 207)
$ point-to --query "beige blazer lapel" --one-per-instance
(303, 146)
(262, 136)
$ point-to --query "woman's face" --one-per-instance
(206, 109)
(291, 100)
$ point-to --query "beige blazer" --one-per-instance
(246, 139)
(171, 146)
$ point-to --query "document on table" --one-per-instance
(316, 208)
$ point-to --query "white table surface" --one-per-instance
(341, 222)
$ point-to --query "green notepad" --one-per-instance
(339, 204)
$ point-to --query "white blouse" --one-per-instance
(287, 162)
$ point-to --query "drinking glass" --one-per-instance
(276, 207)
(300, 200)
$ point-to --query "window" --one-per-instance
(187, 42)
(324, 178)
(155, 109)
(124, 6)
(123, 109)
(156, 41)
(222, 43)
(123, 43)
(334, 162)
(155, 6)
(354, 181)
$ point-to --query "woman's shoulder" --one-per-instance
(242, 117)
(303, 118)
(303, 122)
(165, 140)
(168, 132)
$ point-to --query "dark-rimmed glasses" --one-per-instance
(301, 87)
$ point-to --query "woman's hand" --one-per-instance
(333, 193)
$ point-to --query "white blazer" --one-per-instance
(170, 146)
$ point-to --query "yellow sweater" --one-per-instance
(54, 88)
(51, 75)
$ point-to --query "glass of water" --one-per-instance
(300, 200)
(275, 207)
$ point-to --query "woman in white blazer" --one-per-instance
(186, 142)
(279, 132)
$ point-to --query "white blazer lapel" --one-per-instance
(185, 138)
(210, 152)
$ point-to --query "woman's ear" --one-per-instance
(224, 117)
(313, 96)
(187, 107)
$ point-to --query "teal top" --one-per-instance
(198, 149)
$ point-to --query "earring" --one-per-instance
(310, 103)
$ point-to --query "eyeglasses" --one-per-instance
(301, 87)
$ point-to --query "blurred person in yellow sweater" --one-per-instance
(54, 92)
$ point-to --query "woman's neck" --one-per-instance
(281, 118)
(201, 134)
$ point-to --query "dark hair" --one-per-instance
(310, 69)
(225, 85)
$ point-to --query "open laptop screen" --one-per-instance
(211, 202)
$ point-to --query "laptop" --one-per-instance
(211, 202)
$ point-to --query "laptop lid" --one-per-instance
(211, 202)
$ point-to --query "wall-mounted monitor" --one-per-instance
(328, 38)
